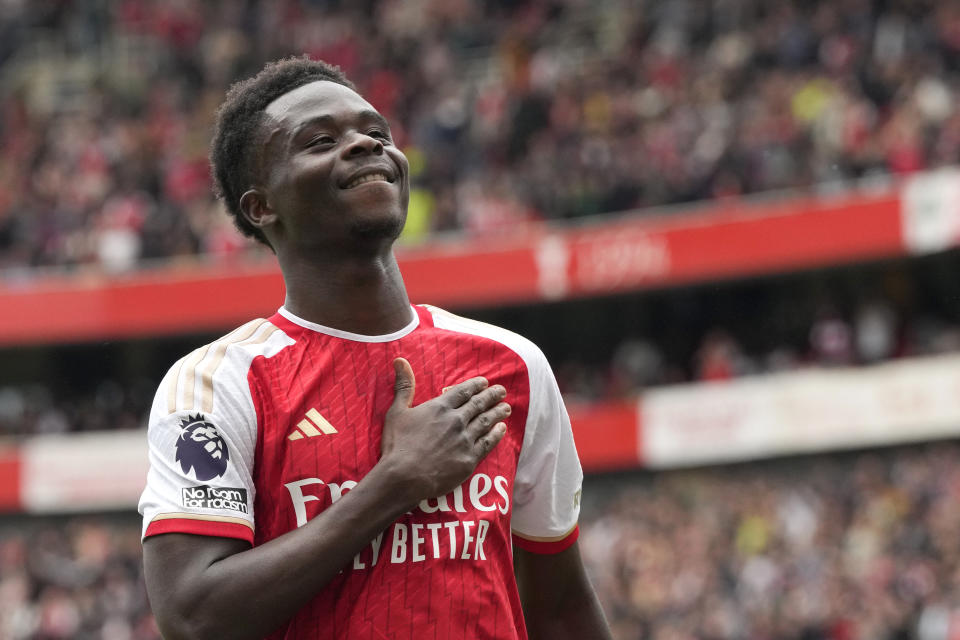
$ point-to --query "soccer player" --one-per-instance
(354, 466)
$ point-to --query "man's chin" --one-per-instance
(379, 228)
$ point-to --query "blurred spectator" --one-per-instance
(831, 339)
(636, 364)
(719, 358)
(875, 332)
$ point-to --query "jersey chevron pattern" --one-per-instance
(256, 433)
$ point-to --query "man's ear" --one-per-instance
(256, 210)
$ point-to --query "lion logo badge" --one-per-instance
(201, 447)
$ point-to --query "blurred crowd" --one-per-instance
(833, 547)
(510, 111)
(77, 579)
(874, 332)
(856, 546)
(41, 408)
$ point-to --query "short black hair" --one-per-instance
(236, 145)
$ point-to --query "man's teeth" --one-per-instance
(367, 178)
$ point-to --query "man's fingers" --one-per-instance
(486, 444)
(483, 423)
(459, 394)
(483, 401)
(404, 383)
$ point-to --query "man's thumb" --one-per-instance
(404, 383)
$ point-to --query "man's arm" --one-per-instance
(211, 587)
(558, 601)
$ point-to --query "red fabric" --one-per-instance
(547, 548)
(200, 528)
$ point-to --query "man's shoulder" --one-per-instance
(526, 349)
(191, 381)
(259, 336)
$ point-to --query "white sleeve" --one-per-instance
(549, 478)
(202, 439)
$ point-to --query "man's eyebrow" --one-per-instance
(329, 120)
(375, 116)
(325, 120)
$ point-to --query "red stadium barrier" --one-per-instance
(607, 435)
(10, 479)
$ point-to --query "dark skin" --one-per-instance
(331, 202)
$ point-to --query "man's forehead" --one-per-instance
(315, 98)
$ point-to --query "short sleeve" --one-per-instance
(549, 477)
(201, 443)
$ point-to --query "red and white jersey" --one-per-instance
(261, 430)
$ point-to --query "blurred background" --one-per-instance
(730, 224)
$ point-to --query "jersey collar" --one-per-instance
(347, 335)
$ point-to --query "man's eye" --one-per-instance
(320, 140)
(379, 134)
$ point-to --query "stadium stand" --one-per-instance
(79, 578)
(760, 282)
(107, 108)
(835, 546)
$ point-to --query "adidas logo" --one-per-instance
(313, 425)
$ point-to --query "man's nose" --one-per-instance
(361, 143)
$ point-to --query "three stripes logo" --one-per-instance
(313, 425)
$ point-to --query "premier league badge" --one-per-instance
(200, 447)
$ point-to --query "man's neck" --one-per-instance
(361, 294)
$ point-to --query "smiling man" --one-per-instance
(354, 466)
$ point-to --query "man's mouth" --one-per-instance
(370, 177)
